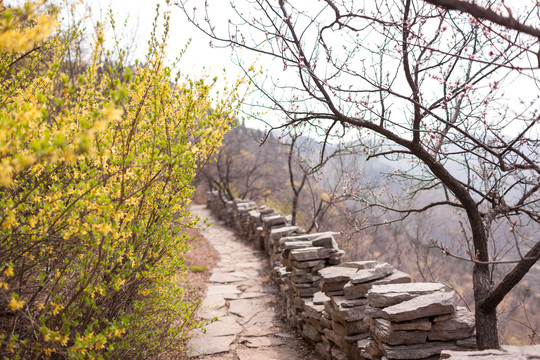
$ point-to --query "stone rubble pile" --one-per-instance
(353, 310)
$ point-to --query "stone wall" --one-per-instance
(352, 310)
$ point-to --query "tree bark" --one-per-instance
(486, 317)
(486, 329)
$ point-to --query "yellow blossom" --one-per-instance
(112, 114)
(15, 304)
(103, 228)
(56, 308)
(9, 271)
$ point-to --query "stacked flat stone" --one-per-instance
(274, 238)
(269, 222)
(282, 274)
(415, 321)
(346, 286)
(241, 209)
(304, 263)
(302, 256)
(213, 202)
(255, 233)
(254, 221)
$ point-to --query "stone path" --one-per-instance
(240, 296)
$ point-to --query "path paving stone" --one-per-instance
(209, 345)
(222, 289)
(238, 295)
(273, 353)
(224, 278)
(247, 308)
(226, 325)
(261, 341)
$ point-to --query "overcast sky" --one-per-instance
(141, 15)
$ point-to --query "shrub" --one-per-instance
(93, 168)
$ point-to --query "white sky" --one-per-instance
(199, 54)
(200, 57)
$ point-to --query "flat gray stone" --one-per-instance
(297, 271)
(222, 290)
(355, 291)
(306, 278)
(215, 301)
(335, 277)
(311, 333)
(251, 295)
(422, 306)
(210, 314)
(356, 313)
(223, 327)
(272, 353)
(387, 295)
(291, 245)
(309, 253)
(325, 240)
(378, 271)
(373, 312)
(223, 278)
(261, 341)
(209, 345)
(507, 352)
(272, 220)
(304, 237)
(259, 329)
(382, 331)
(247, 308)
(419, 324)
(459, 326)
(349, 328)
(266, 316)
(369, 348)
(468, 343)
(307, 264)
(367, 264)
(311, 308)
(319, 298)
(417, 351)
(277, 234)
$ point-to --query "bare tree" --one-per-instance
(240, 169)
(304, 165)
(436, 88)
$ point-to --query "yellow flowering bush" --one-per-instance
(96, 170)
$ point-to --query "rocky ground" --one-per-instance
(249, 321)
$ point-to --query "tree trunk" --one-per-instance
(485, 316)
(294, 208)
(487, 336)
(486, 329)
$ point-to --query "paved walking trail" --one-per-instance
(241, 297)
